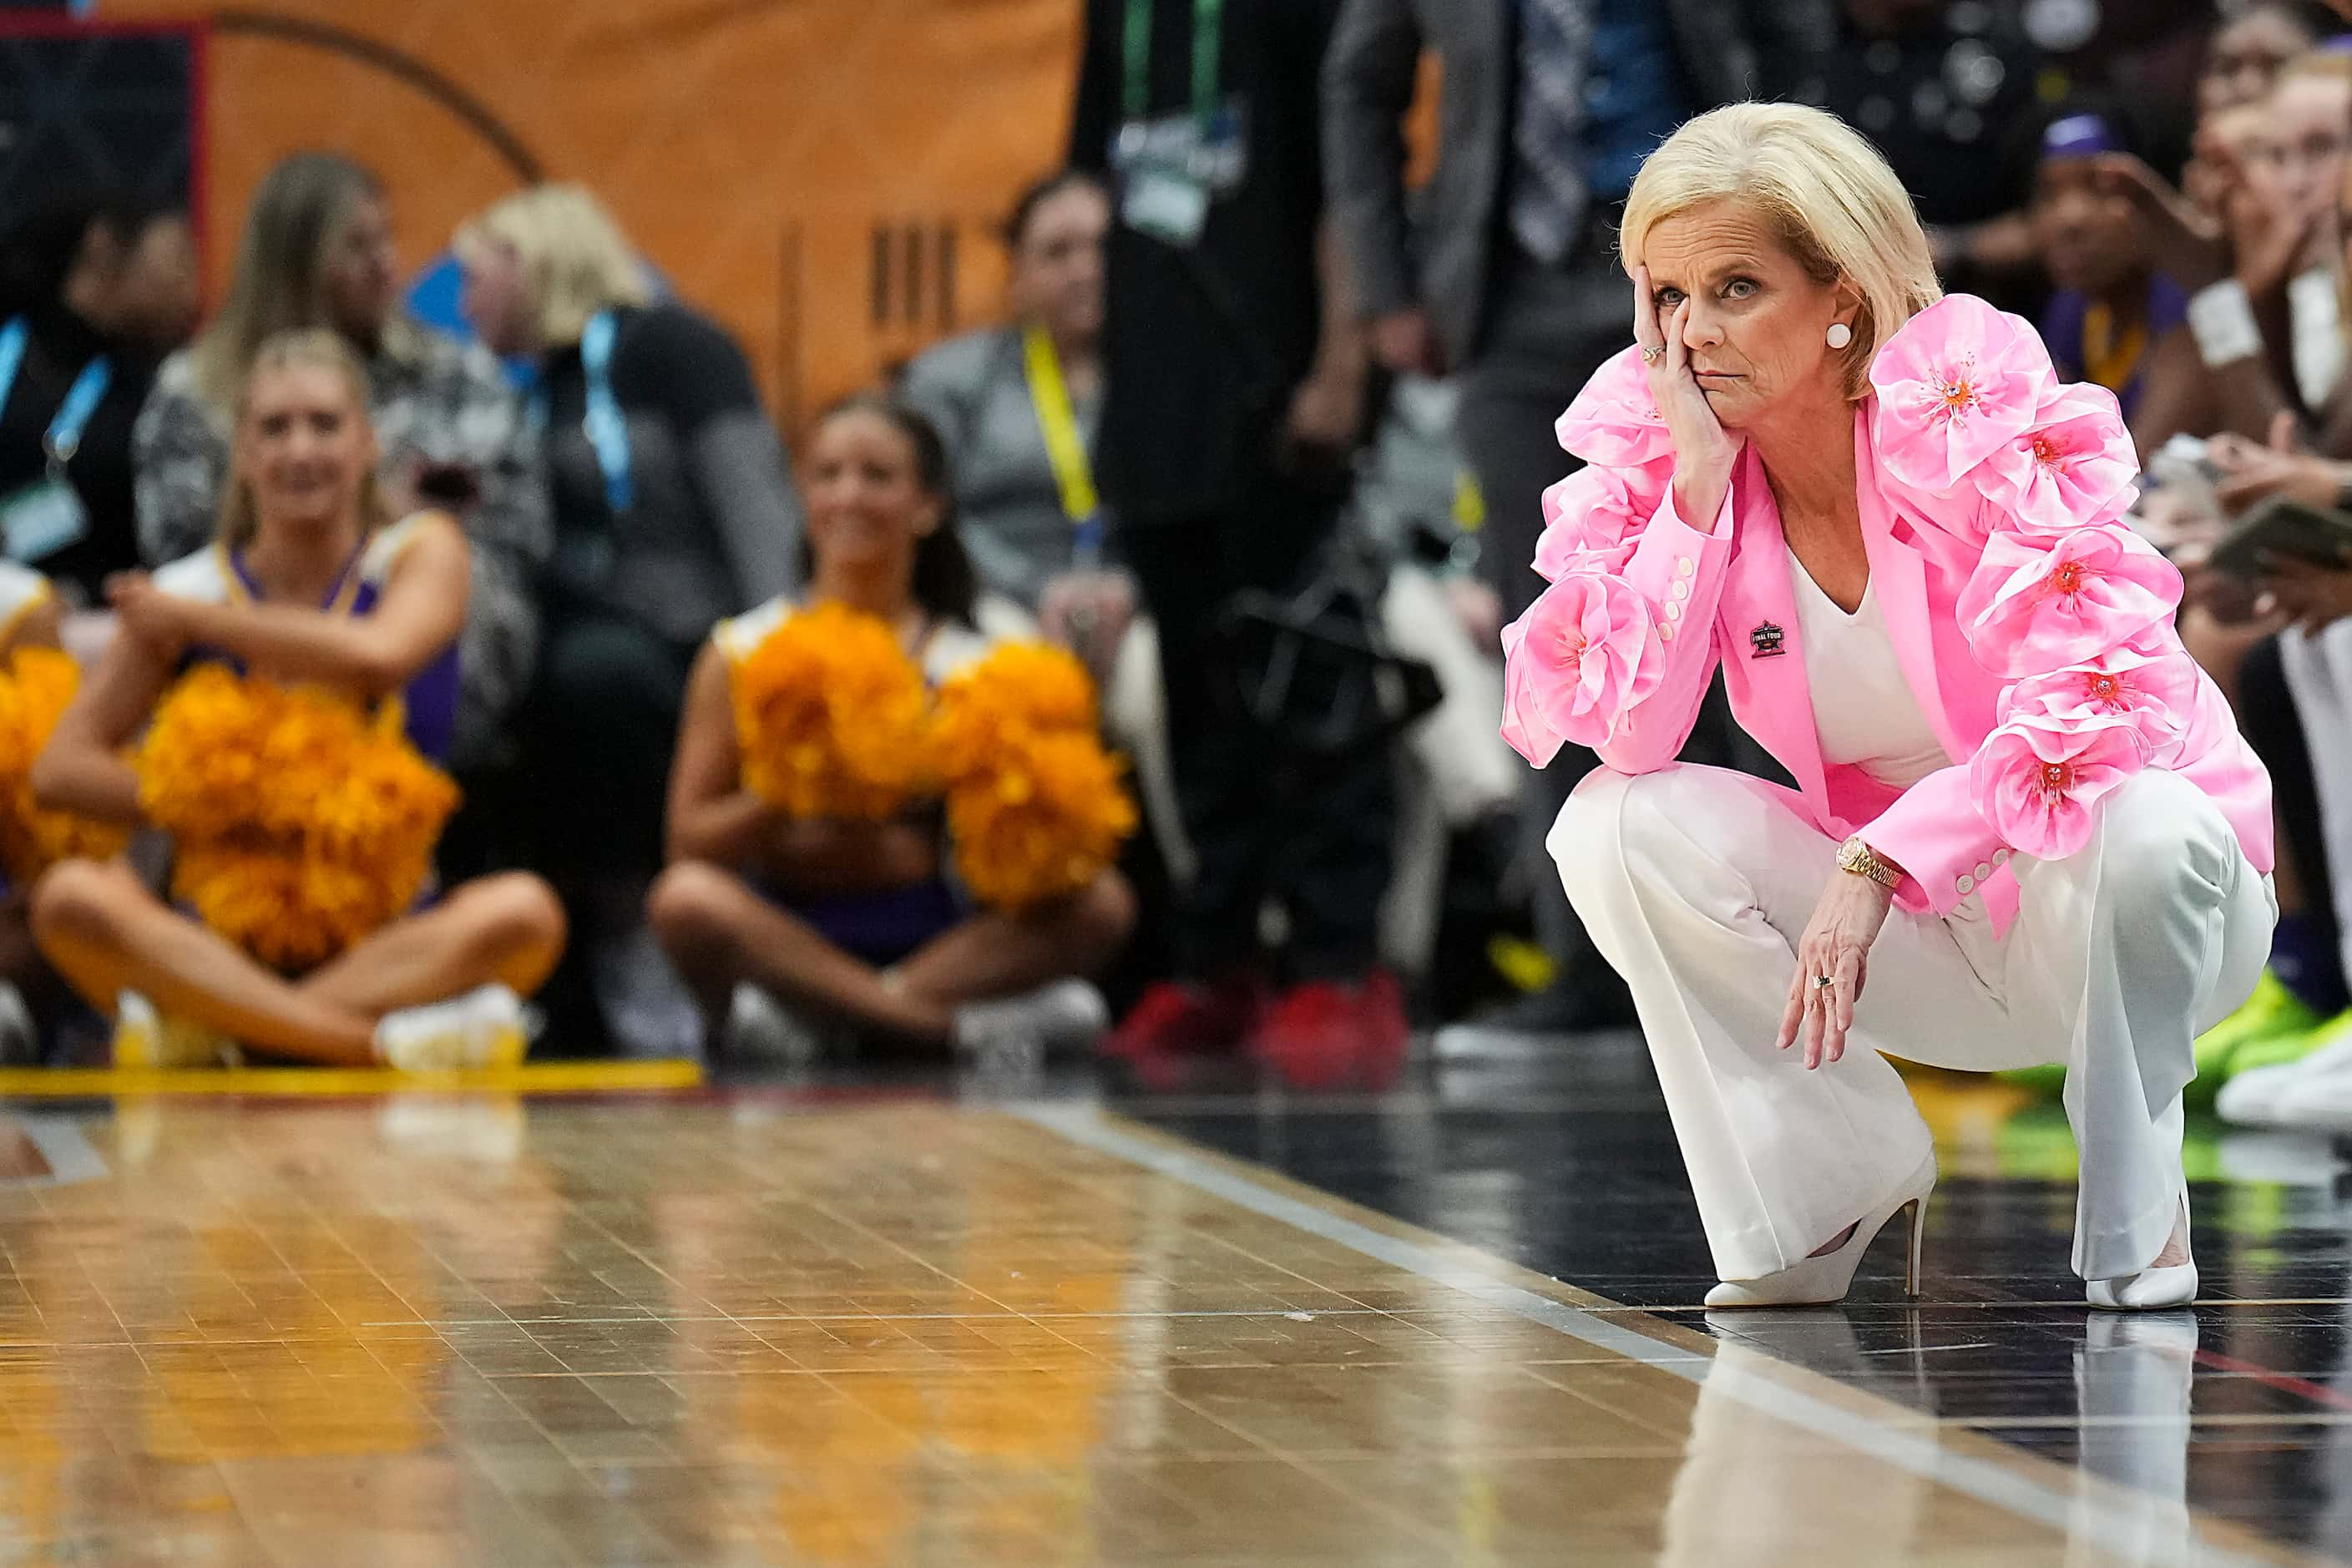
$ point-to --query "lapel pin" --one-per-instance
(1764, 642)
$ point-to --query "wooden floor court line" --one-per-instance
(532, 1077)
(2106, 1516)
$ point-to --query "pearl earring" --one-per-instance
(1839, 334)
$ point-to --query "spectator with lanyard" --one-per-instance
(1508, 275)
(672, 511)
(1019, 405)
(317, 252)
(2110, 304)
(1236, 390)
(94, 291)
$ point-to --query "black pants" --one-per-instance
(2267, 717)
(1551, 327)
(582, 798)
(598, 732)
(1265, 822)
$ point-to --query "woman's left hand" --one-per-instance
(1836, 943)
(2253, 473)
(148, 613)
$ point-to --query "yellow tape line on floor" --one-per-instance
(532, 1077)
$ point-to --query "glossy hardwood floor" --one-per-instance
(869, 1320)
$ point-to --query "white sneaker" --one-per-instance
(2320, 1101)
(20, 1042)
(648, 1010)
(763, 1032)
(489, 1128)
(144, 1038)
(1065, 1016)
(486, 1027)
(2254, 1098)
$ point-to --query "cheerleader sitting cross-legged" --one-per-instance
(309, 584)
(848, 923)
(30, 617)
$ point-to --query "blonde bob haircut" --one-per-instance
(1813, 182)
(575, 260)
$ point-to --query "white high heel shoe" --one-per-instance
(1817, 1281)
(2150, 1290)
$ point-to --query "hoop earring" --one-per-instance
(1839, 334)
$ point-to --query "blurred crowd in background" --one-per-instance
(1261, 437)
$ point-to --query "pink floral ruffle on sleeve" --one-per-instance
(1615, 422)
(2019, 482)
(2038, 780)
(1575, 663)
(2074, 465)
(2150, 687)
(2039, 604)
(1592, 518)
(1958, 383)
(2063, 461)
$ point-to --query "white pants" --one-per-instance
(1697, 883)
(2319, 675)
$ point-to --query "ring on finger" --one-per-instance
(1653, 353)
(1823, 982)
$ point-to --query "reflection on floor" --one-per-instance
(1560, 1158)
(810, 1328)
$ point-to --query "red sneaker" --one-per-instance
(1327, 1035)
(1387, 1036)
(1308, 1038)
(1173, 1021)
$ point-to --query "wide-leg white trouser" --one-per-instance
(1696, 883)
(2319, 675)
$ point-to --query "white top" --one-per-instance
(22, 590)
(2316, 337)
(1863, 708)
(209, 577)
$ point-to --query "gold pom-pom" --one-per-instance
(1034, 803)
(831, 718)
(201, 766)
(34, 691)
(1041, 822)
(301, 825)
(1020, 688)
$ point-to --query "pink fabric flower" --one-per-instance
(2075, 467)
(1960, 381)
(2037, 603)
(2038, 780)
(1614, 421)
(2151, 687)
(1595, 515)
(1576, 664)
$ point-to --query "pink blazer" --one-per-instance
(2034, 626)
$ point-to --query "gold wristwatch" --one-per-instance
(1860, 859)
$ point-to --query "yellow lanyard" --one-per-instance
(2110, 360)
(1059, 424)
